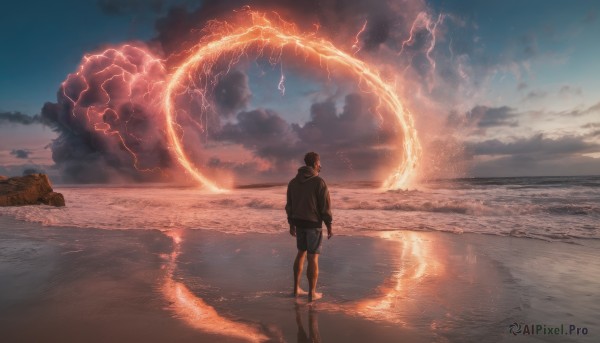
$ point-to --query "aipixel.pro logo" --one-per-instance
(543, 329)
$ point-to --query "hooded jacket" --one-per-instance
(308, 203)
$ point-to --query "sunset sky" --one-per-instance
(517, 82)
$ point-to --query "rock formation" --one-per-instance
(31, 189)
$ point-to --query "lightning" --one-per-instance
(113, 89)
(264, 35)
(424, 21)
(355, 45)
(281, 84)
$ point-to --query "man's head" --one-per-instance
(313, 160)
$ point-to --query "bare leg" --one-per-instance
(313, 275)
(298, 264)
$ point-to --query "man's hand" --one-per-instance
(329, 231)
(293, 230)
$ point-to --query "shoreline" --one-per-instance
(419, 286)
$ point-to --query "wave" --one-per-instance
(560, 214)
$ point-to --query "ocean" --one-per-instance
(548, 208)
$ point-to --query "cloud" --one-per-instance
(20, 118)
(581, 112)
(593, 134)
(531, 165)
(262, 131)
(349, 141)
(534, 156)
(595, 130)
(535, 145)
(20, 153)
(377, 31)
(568, 90)
(535, 95)
(108, 129)
(232, 92)
(29, 168)
(485, 117)
(590, 126)
(386, 22)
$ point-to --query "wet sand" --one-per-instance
(72, 285)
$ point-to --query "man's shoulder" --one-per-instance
(321, 181)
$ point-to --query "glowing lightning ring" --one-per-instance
(267, 34)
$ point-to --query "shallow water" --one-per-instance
(70, 285)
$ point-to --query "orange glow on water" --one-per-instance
(195, 311)
(416, 262)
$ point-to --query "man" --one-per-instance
(308, 206)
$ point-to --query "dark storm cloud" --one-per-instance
(536, 145)
(485, 117)
(20, 118)
(20, 153)
(85, 155)
(114, 7)
(265, 133)
(181, 26)
(377, 31)
(350, 141)
(346, 140)
(232, 92)
(353, 127)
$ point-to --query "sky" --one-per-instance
(515, 83)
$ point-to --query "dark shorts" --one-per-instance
(309, 240)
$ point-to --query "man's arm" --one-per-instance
(324, 202)
(288, 211)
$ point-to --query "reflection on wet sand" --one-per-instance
(197, 313)
(416, 261)
(313, 326)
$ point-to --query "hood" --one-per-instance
(306, 173)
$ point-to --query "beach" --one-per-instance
(68, 284)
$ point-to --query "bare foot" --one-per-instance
(315, 296)
(299, 292)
